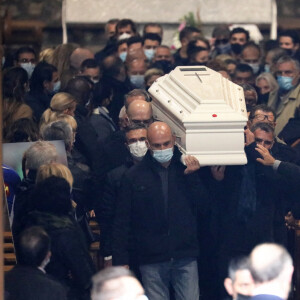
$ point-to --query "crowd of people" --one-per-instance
(175, 224)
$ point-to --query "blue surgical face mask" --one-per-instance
(285, 83)
(137, 81)
(163, 156)
(56, 86)
(149, 53)
(123, 55)
(28, 67)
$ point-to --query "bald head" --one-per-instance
(160, 136)
(135, 54)
(268, 262)
(140, 110)
(78, 56)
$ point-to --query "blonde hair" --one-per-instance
(61, 57)
(68, 119)
(59, 103)
(270, 79)
(54, 169)
(151, 72)
(46, 55)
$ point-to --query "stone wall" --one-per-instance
(49, 11)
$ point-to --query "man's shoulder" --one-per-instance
(22, 278)
(265, 297)
(29, 273)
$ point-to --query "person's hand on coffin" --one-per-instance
(192, 164)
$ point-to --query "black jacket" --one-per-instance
(162, 229)
(70, 255)
(38, 103)
(107, 208)
(102, 123)
(86, 143)
(31, 283)
(21, 205)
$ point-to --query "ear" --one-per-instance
(126, 121)
(148, 145)
(228, 286)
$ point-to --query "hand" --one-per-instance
(268, 159)
(249, 137)
(218, 172)
(92, 214)
(192, 164)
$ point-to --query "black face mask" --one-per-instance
(263, 99)
(164, 65)
(289, 52)
(236, 48)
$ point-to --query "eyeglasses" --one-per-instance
(261, 141)
(261, 117)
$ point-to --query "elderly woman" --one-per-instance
(265, 83)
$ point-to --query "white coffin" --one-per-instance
(206, 112)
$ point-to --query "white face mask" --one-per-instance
(124, 36)
(254, 66)
(138, 149)
(28, 67)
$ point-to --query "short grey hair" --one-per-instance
(103, 291)
(264, 127)
(135, 93)
(40, 153)
(287, 58)
(237, 264)
(58, 130)
(269, 78)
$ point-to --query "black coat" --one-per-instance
(38, 102)
(103, 124)
(70, 255)
(161, 229)
(21, 205)
(31, 283)
(239, 234)
(107, 208)
(86, 143)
